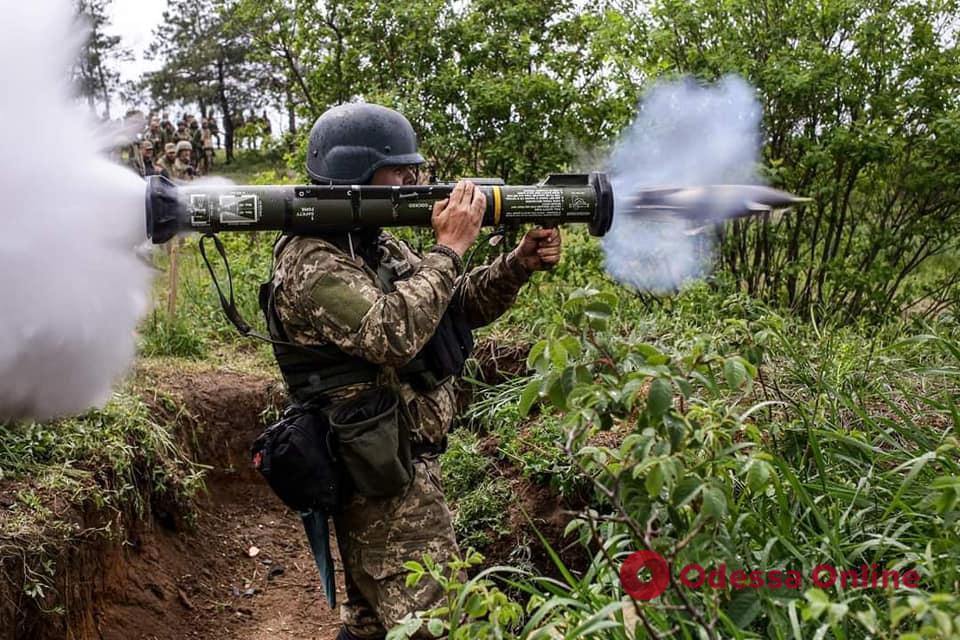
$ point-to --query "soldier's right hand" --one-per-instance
(456, 220)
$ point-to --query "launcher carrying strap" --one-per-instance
(229, 306)
(228, 302)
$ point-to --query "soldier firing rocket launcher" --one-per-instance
(325, 209)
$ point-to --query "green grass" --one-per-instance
(254, 167)
(199, 328)
(733, 432)
(479, 496)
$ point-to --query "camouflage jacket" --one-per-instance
(180, 171)
(323, 295)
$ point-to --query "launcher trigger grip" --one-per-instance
(496, 236)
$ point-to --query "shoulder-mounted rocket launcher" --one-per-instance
(210, 208)
(329, 209)
(586, 198)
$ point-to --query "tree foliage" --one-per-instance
(94, 73)
(206, 62)
(861, 114)
(860, 108)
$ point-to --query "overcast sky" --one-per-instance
(134, 21)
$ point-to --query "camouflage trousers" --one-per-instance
(375, 538)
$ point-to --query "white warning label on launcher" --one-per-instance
(239, 209)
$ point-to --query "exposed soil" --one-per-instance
(535, 511)
(205, 584)
(243, 569)
(182, 575)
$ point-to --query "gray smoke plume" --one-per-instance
(71, 286)
(685, 134)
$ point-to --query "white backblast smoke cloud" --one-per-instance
(685, 134)
(71, 286)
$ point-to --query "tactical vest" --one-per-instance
(311, 372)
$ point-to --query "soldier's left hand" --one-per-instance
(539, 249)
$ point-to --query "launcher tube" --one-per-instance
(322, 209)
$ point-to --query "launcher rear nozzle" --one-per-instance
(165, 213)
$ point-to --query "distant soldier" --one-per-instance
(196, 141)
(214, 129)
(182, 168)
(135, 158)
(142, 159)
(169, 133)
(154, 133)
(165, 164)
(206, 144)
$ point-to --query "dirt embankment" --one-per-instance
(238, 567)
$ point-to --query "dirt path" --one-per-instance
(205, 584)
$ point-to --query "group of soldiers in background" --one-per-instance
(251, 131)
(180, 153)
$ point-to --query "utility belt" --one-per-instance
(317, 458)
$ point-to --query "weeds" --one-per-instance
(479, 495)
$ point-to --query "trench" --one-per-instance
(236, 565)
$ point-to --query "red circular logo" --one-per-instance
(645, 589)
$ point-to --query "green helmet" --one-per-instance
(348, 143)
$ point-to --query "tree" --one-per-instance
(205, 61)
(861, 114)
(93, 72)
(278, 47)
(511, 90)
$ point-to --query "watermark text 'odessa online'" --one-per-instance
(696, 576)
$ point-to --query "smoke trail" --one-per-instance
(685, 134)
(71, 286)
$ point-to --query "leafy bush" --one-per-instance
(769, 448)
(479, 495)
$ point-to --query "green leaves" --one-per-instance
(598, 314)
(738, 373)
(758, 475)
(659, 397)
(714, 502)
(553, 352)
(529, 395)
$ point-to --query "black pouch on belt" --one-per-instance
(298, 460)
(373, 442)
